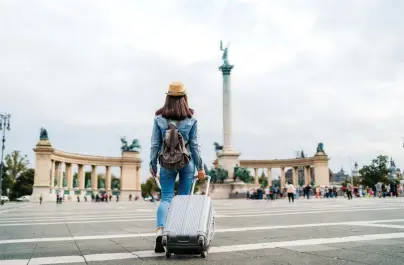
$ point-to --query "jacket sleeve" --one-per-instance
(194, 146)
(155, 145)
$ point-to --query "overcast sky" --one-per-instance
(305, 72)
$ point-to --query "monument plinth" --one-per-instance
(321, 173)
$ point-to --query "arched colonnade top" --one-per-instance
(81, 159)
(49, 166)
(318, 163)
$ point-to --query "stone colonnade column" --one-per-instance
(52, 177)
(295, 175)
(282, 184)
(256, 176)
(269, 176)
(60, 175)
(108, 178)
(94, 179)
(307, 176)
(81, 177)
(69, 176)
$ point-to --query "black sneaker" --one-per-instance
(159, 248)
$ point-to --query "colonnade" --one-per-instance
(318, 165)
(49, 177)
(57, 177)
(295, 175)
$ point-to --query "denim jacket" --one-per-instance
(189, 131)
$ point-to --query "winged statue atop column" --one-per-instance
(224, 56)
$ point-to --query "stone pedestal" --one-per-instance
(130, 176)
(43, 174)
(321, 172)
(228, 160)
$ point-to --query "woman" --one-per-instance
(290, 189)
(175, 109)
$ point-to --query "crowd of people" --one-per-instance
(349, 191)
(100, 197)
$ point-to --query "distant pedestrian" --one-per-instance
(40, 199)
(290, 189)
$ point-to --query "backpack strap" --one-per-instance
(173, 122)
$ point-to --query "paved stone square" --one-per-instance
(316, 231)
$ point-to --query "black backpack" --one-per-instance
(174, 155)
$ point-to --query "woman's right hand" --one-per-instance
(201, 174)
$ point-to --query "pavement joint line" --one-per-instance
(223, 230)
(212, 250)
(14, 209)
(380, 225)
(129, 215)
(256, 207)
(128, 219)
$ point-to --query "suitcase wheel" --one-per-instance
(201, 241)
(168, 254)
(204, 254)
(164, 241)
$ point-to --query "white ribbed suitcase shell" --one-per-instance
(189, 218)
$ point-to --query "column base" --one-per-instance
(48, 194)
(228, 159)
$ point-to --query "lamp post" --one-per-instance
(4, 125)
(352, 170)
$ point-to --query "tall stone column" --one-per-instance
(227, 109)
(108, 178)
(52, 177)
(307, 176)
(269, 176)
(69, 176)
(256, 176)
(60, 175)
(228, 158)
(94, 179)
(282, 184)
(82, 178)
(295, 177)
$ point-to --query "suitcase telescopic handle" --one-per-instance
(207, 185)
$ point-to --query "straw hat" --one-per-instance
(176, 89)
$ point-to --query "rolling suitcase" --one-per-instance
(190, 224)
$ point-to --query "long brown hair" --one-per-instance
(176, 108)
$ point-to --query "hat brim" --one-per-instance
(176, 94)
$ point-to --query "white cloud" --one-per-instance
(305, 72)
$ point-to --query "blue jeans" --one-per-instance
(167, 182)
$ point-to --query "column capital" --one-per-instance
(226, 69)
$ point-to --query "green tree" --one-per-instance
(23, 184)
(8, 181)
(149, 187)
(16, 163)
(375, 172)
